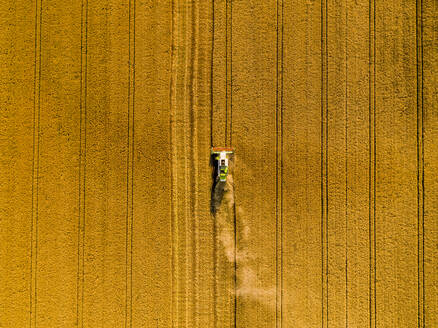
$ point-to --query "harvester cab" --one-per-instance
(221, 156)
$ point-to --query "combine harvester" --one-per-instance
(221, 157)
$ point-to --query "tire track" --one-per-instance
(324, 165)
(35, 165)
(372, 163)
(174, 170)
(188, 165)
(185, 228)
(130, 168)
(219, 72)
(279, 167)
(429, 90)
(396, 128)
(215, 233)
(193, 171)
(346, 162)
(195, 159)
(228, 72)
(420, 165)
(82, 166)
(211, 72)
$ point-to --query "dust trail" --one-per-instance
(248, 287)
(224, 218)
(247, 281)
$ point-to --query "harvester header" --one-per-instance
(218, 150)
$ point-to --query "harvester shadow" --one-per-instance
(217, 187)
(217, 194)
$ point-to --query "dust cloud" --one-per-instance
(246, 278)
